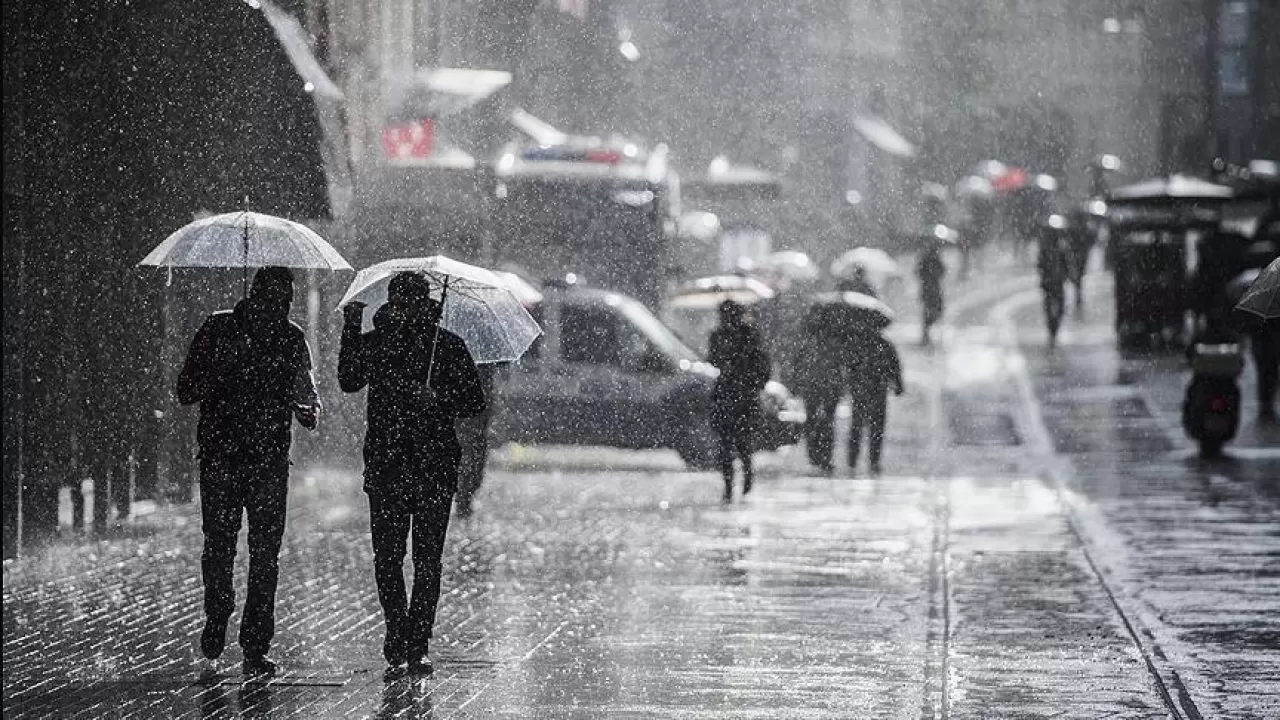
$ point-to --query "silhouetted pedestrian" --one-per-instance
(735, 348)
(930, 269)
(1053, 265)
(421, 379)
(250, 370)
(821, 384)
(873, 370)
(1080, 240)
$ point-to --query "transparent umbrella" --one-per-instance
(477, 304)
(1261, 302)
(244, 240)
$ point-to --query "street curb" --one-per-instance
(1088, 527)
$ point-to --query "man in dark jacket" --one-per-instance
(821, 383)
(250, 370)
(421, 379)
(873, 369)
(736, 350)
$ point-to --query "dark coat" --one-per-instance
(873, 365)
(737, 351)
(392, 360)
(930, 269)
(247, 370)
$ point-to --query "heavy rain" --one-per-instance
(642, 358)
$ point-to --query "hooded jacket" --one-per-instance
(247, 368)
(392, 360)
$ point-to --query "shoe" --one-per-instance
(746, 488)
(257, 666)
(213, 638)
(727, 497)
(395, 672)
(421, 666)
(875, 468)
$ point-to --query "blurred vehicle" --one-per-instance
(1211, 408)
(1153, 281)
(604, 208)
(1159, 233)
(785, 268)
(608, 372)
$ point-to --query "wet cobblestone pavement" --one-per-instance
(1018, 559)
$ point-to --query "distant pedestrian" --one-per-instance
(873, 370)
(1053, 265)
(738, 352)
(821, 383)
(930, 269)
(421, 379)
(473, 436)
(250, 371)
(1080, 240)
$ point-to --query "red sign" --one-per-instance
(408, 140)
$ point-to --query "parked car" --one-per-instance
(608, 372)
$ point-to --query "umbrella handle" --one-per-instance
(435, 341)
(244, 265)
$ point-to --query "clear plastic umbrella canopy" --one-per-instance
(479, 305)
(1261, 302)
(872, 260)
(245, 239)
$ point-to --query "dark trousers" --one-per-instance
(227, 491)
(820, 428)
(736, 443)
(869, 410)
(406, 503)
(1266, 357)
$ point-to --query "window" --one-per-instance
(589, 335)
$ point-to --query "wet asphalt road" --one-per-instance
(1042, 544)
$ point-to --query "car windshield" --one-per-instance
(658, 333)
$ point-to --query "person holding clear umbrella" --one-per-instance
(421, 379)
(250, 371)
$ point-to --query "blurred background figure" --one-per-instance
(1053, 265)
(873, 370)
(820, 382)
(930, 269)
(737, 351)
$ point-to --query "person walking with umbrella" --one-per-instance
(821, 382)
(421, 379)
(873, 369)
(250, 371)
(737, 351)
(1259, 310)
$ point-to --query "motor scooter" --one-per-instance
(1211, 409)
